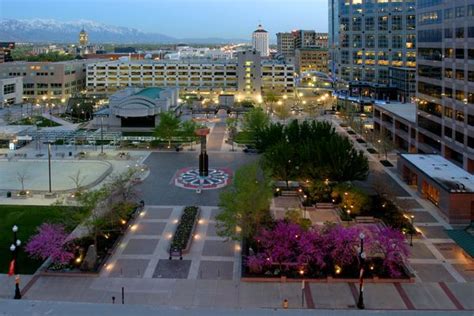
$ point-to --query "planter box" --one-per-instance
(191, 235)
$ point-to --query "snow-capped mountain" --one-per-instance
(40, 30)
(53, 31)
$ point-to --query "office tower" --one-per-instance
(260, 41)
(285, 44)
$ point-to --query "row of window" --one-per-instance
(382, 23)
(397, 41)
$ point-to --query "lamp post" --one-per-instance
(49, 164)
(362, 256)
(14, 249)
(411, 218)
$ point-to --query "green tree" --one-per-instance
(245, 205)
(189, 128)
(384, 143)
(255, 121)
(269, 100)
(232, 128)
(280, 161)
(168, 126)
(282, 111)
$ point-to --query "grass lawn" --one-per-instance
(243, 138)
(36, 120)
(27, 218)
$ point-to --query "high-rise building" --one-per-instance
(286, 44)
(5, 51)
(261, 42)
(445, 80)
(310, 39)
(311, 59)
(366, 37)
(83, 38)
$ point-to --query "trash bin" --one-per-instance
(9, 194)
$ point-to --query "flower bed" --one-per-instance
(184, 232)
(287, 250)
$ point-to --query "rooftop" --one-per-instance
(406, 111)
(151, 93)
(444, 172)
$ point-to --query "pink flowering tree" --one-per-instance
(342, 243)
(279, 245)
(391, 243)
(49, 242)
(312, 249)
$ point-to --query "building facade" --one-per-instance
(311, 59)
(403, 80)
(47, 80)
(5, 51)
(137, 107)
(261, 41)
(247, 75)
(445, 80)
(366, 37)
(310, 39)
(285, 44)
(11, 91)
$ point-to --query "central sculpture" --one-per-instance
(203, 158)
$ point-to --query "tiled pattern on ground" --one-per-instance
(143, 252)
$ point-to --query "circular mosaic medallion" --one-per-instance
(188, 178)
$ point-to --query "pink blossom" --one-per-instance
(49, 242)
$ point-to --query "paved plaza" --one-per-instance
(35, 173)
(209, 275)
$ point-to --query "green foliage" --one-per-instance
(310, 151)
(269, 100)
(36, 120)
(168, 126)
(188, 129)
(245, 205)
(185, 228)
(351, 198)
(294, 216)
(254, 122)
(51, 57)
(246, 104)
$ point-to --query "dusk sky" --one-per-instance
(180, 18)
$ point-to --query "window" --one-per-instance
(370, 41)
(430, 71)
(448, 73)
(448, 33)
(356, 23)
(397, 41)
(470, 10)
(410, 41)
(383, 41)
(448, 92)
(430, 53)
(470, 76)
(429, 89)
(357, 41)
(460, 137)
(432, 17)
(470, 31)
(470, 54)
(459, 74)
(397, 22)
(460, 32)
(448, 132)
(460, 95)
(9, 88)
(470, 120)
(459, 12)
(448, 14)
(383, 23)
(459, 53)
(449, 53)
(430, 36)
(411, 22)
(369, 24)
(448, 112)
(459, 116)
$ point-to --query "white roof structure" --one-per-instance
(444, 172)
(406, 111)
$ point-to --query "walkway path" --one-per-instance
(435, 257)
(216, 137)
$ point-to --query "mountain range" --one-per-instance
(53, 31)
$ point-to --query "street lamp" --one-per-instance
(411, 218)
(49, 143)
(362, 256)
(14, 249)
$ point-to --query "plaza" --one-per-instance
(62, 173)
